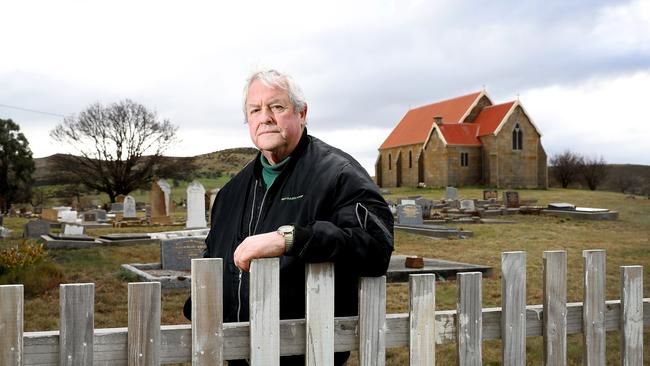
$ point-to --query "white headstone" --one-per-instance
(196, 205)
(68, 216)
(467, 205)
(213, 196)
(167, 190)
(129, 207)
(73, 229)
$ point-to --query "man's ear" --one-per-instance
(303, 114)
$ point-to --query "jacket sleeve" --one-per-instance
(359, 230)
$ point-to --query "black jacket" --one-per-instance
(339, 216)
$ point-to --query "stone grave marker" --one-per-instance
(117, 207)
(50, 214)
(100, 215)
(563, 206)
(69, 229)
(158, 210)
(451, 193)
(511, 199)
(120, 198)
(426, 205)
(195, 206)
(129, 207)
(490, 194)
(177, 254)
(467, 205)
(409, 215)
(68, 216)
(36, 228)
(89, 217)
(167, 190)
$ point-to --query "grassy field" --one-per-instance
(627, 242)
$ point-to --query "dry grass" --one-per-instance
(626, 242)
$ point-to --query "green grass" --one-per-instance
(626, 242)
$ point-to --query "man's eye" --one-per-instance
(253, 110)
(278, 108)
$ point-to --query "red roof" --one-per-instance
(490, 117)
(460, 133)
(415, 125)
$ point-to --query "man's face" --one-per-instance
(274, 126)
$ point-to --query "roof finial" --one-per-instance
(517, 97)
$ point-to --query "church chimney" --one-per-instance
(437, 120)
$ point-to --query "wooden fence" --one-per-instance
(208, 341)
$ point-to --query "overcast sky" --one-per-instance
(580, 68)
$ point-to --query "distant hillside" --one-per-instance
(631, 178)
(211, 165)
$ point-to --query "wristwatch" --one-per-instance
(287, 233)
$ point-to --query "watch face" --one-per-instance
(286, 229)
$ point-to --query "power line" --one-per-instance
(31, 110)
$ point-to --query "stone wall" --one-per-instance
(458, 175)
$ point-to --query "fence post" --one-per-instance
(593, 310)
(513, 314)
(319, 314)
(144, 323)
(631, 315)
(76, 336)
(265, 311)
(207, 311)
(422, 319)
(372, 321)
(469, 330)
(12, 309)
(555, 312)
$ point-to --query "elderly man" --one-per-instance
(301, 200)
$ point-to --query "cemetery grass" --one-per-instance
(626, 242)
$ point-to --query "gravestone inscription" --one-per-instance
(177, 254)
(490, 194)
(512, 199)
(467, 205)
(409, 215)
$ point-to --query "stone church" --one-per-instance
(467, 140)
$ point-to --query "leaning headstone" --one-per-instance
(158, 210)
(490, 194)
(69, 229)
(68, 216)
(426, 205)
(167, 190)
(177, 254)
(467, 205)
(129, 207)
(511, 199)
(195, 206)
(36, 228)
(451, 193)
(409, 215)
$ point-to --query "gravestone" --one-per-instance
(129, 207)
(511, 199)
(409, 215)
(69, 229)
(177, 254)
(100, 215)
(467, 205)
(89, 217)
(50, 214)
(195, 206)
(451, 193)
(36, 228)
(490, 194)
(117, 207)
(426, 205)
(68, 216)
(167, 190)
(563, 206)
(158, 211)
(38, 210)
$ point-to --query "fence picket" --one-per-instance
(372, 321)
(469, 328)
(11, 325)
(422, 319)
(207, 311)
(555, 311)
(319, 314)
(76, 336)
(513, 316)
(265, 311)
(631, 315)
(144, 324)
(593, 311)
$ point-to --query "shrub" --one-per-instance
(30, 266)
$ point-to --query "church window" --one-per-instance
(390, 164)
(464, 159)
(517, 138)
(410, 159)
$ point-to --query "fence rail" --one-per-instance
(265, 338)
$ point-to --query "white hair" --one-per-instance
(276, 79)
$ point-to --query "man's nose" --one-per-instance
(267, 116)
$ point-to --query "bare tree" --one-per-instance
(594, 171)
(625, 183)
(565, 167)
(119, 146)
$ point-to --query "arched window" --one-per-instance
(517, 138)
(410, 159)
(390, 163)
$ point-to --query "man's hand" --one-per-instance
(258, 246)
